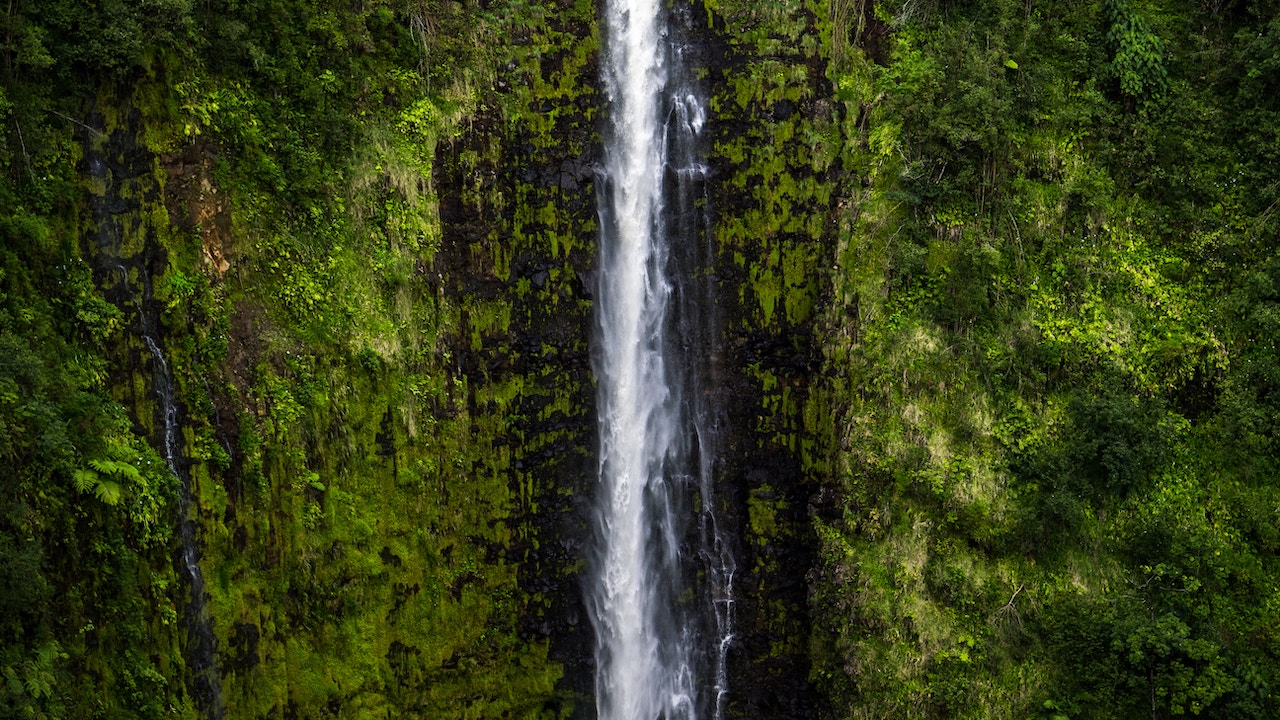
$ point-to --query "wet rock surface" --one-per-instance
(546, 348)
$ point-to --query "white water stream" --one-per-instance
(201, 643)
(658, 654)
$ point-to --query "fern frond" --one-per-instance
(116, 467)
(14, 683)
(108, 492)
(84, 480)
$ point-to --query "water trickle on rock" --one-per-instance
(206, 684)
(201, 644)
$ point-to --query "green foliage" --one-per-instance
(1045, 424)
(1043, 443)
(112, 37)
(275, 171)
(88, 505)
(1139, 54)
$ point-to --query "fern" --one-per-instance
(85, 480)
(115, 467)
(39, 680)
(14, 683)
(50, 652)
(108, 492)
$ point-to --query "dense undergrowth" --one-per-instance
(268, 191)
(1050, 365)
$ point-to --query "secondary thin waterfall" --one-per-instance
(658, 653)
(206, 685)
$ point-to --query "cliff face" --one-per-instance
(994, 286)
(361, 244)
(528, 209)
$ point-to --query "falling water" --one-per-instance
(658, 655)
(207, 687)
(106, 208)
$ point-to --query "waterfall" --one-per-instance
(105, 208)
(658, 653)
(206, 685)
